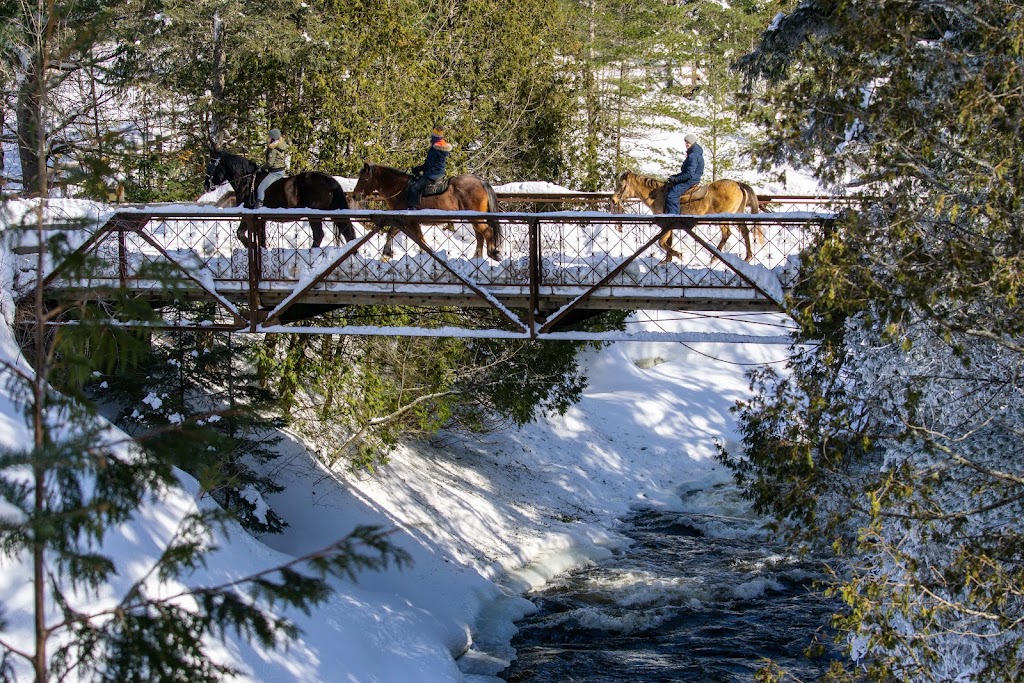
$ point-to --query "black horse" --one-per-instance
(309, 190)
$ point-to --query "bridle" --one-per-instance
(214, 163)
(245, 179)
(373, 173)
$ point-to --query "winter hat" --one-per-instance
(274, 134)
(690, 138)
(437, 134)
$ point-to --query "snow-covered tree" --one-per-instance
(896, 435)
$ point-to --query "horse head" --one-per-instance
(620, 191)
(365, 184)
(215, 173)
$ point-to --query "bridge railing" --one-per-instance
(550, 262)
(568, 242)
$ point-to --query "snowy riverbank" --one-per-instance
(484, 518)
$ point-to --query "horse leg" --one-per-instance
(388, 252)
(479, 230)
(243, 234)
(726, 232)
(484, 235)
(665, 242)
(412, 229)
(343, 228)
(317, 226)
(494, 239)
(745, 230)
(415, 231)
(261, 233)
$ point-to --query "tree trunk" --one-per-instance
(216, 132)
(31, 142)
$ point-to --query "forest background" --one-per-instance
(527, 90)
(893, 437)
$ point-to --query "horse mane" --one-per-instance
(391, 169)
(239, 165)
(647, 181)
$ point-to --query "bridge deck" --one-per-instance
(555, 265)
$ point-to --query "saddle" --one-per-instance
(696, 192)
(436, 187)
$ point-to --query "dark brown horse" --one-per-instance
(308, 190)
(465, 193)
(722, 196)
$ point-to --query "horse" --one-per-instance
(721, 196)
(465, 192)
(309, 190)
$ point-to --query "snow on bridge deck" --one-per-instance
(556, 266)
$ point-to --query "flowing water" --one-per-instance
(698, 597)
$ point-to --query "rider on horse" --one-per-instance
(275, 163)
(689, 174)
(431, 170)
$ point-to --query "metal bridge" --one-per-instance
(557, 268)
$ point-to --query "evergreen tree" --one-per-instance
(197, 377)
(357, 396)
(59, 71)
(896, 436)
(74, 480)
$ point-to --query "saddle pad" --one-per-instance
(694, 193)
(438, 187)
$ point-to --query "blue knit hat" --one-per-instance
(274, 134)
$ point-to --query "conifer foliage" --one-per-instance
(200, 378)
(356, 397)
(895, 437)
(71, 486)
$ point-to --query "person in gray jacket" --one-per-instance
(275, 163)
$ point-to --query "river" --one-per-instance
(697, 597)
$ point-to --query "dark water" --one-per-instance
(679, 605)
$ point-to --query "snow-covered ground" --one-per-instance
(485, 518)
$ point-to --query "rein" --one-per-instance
(386, 198)
(242, 179)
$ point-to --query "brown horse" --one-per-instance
(465, 193)
(722, 196)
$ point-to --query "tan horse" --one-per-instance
(721, 196)
(465, 193)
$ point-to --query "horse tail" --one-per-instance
(753, 206)
(339, 200)
(752, 203)
(492, 207)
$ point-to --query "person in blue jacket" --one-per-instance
(689, 174)
(431, 170)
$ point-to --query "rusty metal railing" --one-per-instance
(553, 263)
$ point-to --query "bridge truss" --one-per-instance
(557, 267)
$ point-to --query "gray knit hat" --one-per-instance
(690, 138)
(274, 134)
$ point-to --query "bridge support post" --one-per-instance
(535, 275)
(254, 256)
